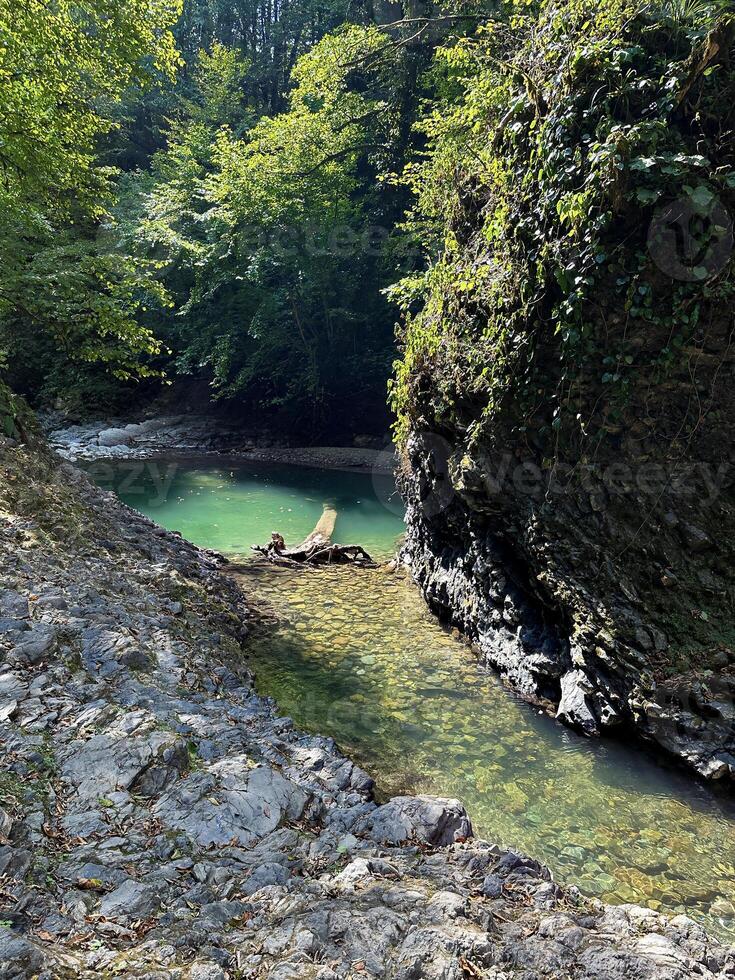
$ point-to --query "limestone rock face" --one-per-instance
(501, 568)
(574, 705)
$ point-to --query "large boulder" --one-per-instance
(423, 819)
(114, 437)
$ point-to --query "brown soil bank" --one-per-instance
(566, 396)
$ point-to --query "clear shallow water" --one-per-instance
(355, 655)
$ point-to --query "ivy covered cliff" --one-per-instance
(565, 392)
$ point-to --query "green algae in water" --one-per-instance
(355, 655)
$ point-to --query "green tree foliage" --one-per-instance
(557, 137)
(272, 239)
(248, 222)
(272, 37)
(63, 66)
(235, 221)
(259, 216)
(220, 80)
(267, 38)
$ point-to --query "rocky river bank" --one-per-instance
(594, 659)
(201, 435)
(160, 820)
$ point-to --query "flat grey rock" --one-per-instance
(131, 900)
(423, 819)
(114, 437)
(35, 644)
(230, 802)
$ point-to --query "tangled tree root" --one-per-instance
(316, 549)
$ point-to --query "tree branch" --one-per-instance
(338, 156)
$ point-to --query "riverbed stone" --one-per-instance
(424, 819)
(110, 762)
(270, 873)
(207, 971)
(492, 886)
(131, 900)
(19, 958)
(114, 437)
(13, 605)
(34, 646)
(231, 801)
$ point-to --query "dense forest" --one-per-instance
(209, 193)
(241, 197)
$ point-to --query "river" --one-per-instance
(353, 653)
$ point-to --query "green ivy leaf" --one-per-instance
(701, 197)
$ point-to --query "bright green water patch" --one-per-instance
(355, 655)
(231, 507)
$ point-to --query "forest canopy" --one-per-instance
(243, 198)
(64, 70)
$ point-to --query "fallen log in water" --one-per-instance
(317, 548)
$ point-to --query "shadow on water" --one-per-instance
(355, 655)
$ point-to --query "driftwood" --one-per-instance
(316, 549)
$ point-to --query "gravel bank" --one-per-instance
(188, 435)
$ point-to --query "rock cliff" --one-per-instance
(565, 397)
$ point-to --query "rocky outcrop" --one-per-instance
(569, 357)
(145, 437)
(158, 819)
(522, 573)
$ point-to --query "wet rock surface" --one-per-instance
(552, 625)
(158, 819)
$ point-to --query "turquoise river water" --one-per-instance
(354, 654)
